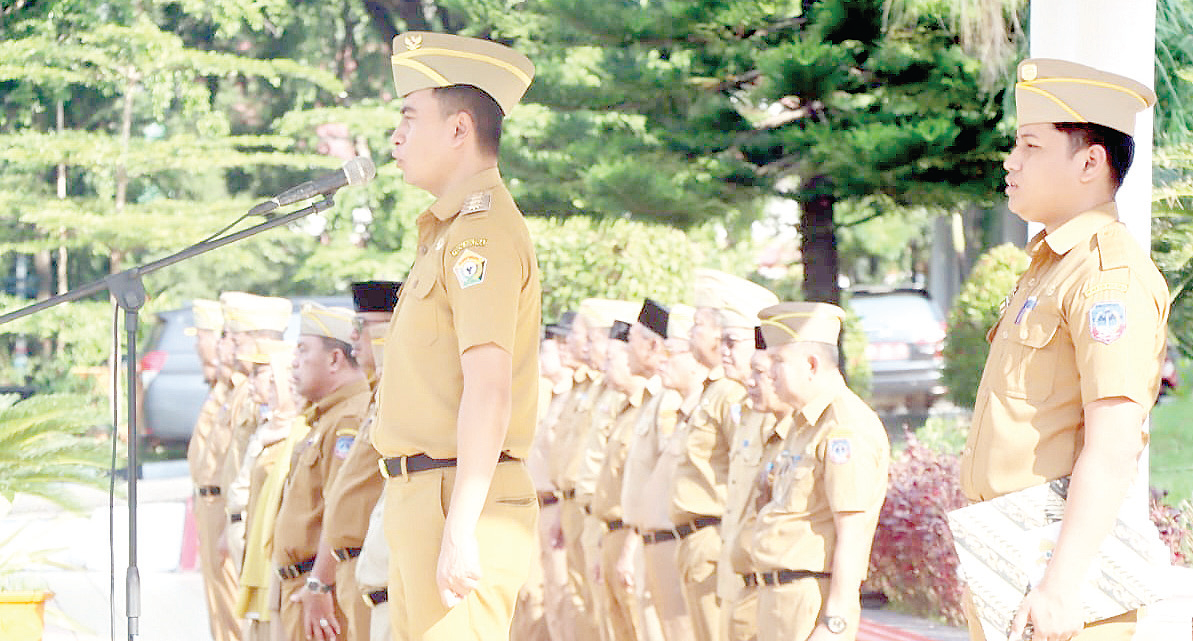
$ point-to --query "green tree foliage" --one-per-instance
(728, 102)
(974, 312)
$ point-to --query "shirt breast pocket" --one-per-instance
(419, 316)
(795, 491)
(1030, 371)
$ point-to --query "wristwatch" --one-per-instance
(835, 624)
(315, 585)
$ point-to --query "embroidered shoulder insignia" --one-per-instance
(413, 42)
(478, 202)
(1107, 321)
(839, 450)
(1097, 288)
(471, 242)
(469, 269)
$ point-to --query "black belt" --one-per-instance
(376, 597)
(237, 517)
(296, 570)
(780, 577)
(548, 498)
(569, 494)
(680, 531)
(398, 466)
(209, 490)
(343, 554)
(615, 525)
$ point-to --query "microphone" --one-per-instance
(357, 171)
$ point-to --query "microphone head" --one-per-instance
(359, 170)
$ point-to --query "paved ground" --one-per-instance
(172, 606)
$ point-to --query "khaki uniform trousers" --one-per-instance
(662, 578)
(415, 509)
(530, 621)
(348, 597)
(553, 564)
(581, 611)
(219, 576)
(1119, 628)
(791, 611)
(379, 627)
(289, 624)
(621, 604)
(742, 616)
(697, 557)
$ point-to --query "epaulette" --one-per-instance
(1113, 247)
(476, 203)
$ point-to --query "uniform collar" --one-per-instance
(635, 399)
(654, 385)
(1080, 228)
(715, 374)
(812, 411)
(314, 411)
(449, 204)
(562, 386)
(783, 427)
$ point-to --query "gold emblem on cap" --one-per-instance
(1029, 72)
(413, 42)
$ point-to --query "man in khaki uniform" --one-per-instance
(247, 317)
(337, 396)
(357, 485)
(1074, 362)
(757, 443)
(619, 600)
(820, 499)
(206, 449)
(460, 384)
(682, 376)
(701, 453)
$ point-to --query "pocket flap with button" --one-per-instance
(1036, 330)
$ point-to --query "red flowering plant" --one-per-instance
(913, 561)
(1175, 525)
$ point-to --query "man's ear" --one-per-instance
(1095, 163)
(463, 128)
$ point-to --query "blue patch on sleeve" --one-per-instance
(343, 444)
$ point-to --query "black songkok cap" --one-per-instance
(654, 316)
(555, 330)
(759, 341)
(375, 295)
(565, 320)
(620, 331)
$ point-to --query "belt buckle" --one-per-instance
(769, 578)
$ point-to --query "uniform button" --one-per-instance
(1005, 334)
(422, 249)
(414, 283)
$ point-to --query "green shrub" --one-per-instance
(974, 312)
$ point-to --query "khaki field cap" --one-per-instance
(1061, 91)
(422, 60)
(329, 322)
(268, 351)
(801, 322)
(208, 314)
(680, 320)
(245, 312)
(738, 299)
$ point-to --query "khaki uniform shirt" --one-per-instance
(649, 504)
(354, 490)
(702, 451)
(475, 281)
(835, 459)
(570, 424)
(642, 451)
(539, 461)
(243, 416)
(334, 421)
(749, 462)
(209, 442)
(589, 449)
(606, 499)
(1085, 322)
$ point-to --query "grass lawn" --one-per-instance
(1172, 444)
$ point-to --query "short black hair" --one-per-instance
(1120, 147)
(332, 344)
(485, 112)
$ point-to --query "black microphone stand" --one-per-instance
(129, 292)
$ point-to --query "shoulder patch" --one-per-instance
(475, 203)
(1107, 321)
(343, 444)
(1098, 288)
(1112, 246)
(839, 450)
(471, 242)
(469, 269)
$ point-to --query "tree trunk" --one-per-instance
(818, 242)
